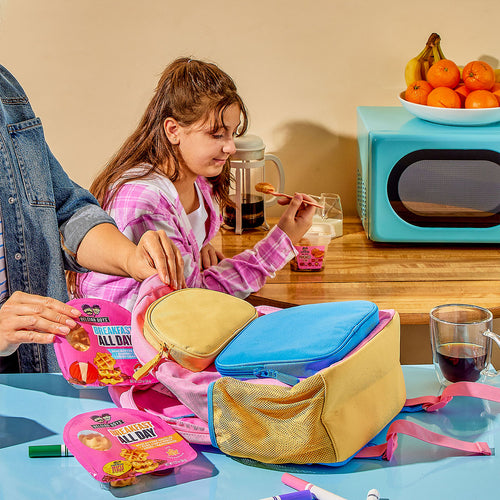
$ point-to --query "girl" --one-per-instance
(173, 173)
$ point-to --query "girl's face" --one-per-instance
(204, 151)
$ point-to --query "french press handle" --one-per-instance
(281, 177)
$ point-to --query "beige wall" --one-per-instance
(90, 66)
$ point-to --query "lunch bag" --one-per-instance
(192, 325)
(328, 417)
(299, 341)
(325, 417)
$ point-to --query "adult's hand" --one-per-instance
(28, 318)
(155, 253)
(106, 250)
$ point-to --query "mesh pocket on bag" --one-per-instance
(273, 424)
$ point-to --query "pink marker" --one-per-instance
(299, 484)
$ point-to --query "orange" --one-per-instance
(495, 90)
(443, 97)
(443, 73)
(462, 92)
(481, 99)
(478, 75)
(418, 91)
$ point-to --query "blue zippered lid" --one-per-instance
(298, 341)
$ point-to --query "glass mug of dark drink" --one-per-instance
(461, 340)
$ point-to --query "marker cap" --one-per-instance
(294, 482)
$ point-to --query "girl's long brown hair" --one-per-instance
(189, 90)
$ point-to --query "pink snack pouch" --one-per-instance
(115, 445)
(99, 353)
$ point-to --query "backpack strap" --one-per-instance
(433, 403)
(470, 389)
(386, 450)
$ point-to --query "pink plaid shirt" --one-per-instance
(153, 203)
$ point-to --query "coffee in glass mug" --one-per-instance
(461, 339)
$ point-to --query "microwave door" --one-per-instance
(446, 192)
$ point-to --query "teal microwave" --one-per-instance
(424, 182)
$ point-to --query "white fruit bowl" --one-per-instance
(452, 116)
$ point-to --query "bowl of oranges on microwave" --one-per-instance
(440, 91)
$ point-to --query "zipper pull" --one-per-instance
(145, 369)
(281, 377)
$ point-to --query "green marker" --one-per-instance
(49, 450)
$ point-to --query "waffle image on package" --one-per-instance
(98, 353)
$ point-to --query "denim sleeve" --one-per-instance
(74, 230)
(77, 212)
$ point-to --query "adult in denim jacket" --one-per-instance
(51, 224)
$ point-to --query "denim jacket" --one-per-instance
(45, 214)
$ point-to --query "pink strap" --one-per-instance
(434, 403)
(386, 450)
(470, 389)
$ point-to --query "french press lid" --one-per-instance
(248, 147)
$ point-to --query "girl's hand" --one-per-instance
(297, 218)
(210, 256)
(155, 253)
(27, 318)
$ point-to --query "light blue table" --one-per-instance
(34, 409)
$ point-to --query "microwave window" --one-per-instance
(447, 188)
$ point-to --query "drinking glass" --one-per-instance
(332, 212)
(461, 340)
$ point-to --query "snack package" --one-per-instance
(99, 353)
(116, 445)
(312, 249)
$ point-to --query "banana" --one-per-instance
(440, 50)
(436, 54)
(426, 64)
(413, 69)
(417, 67)
(433, 57)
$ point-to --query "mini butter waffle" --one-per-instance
(139, 460)
(134, 455)
(105, 364)
(120, 483)
(104, 361)
(145, 466)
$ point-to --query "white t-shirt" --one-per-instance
(198, 220)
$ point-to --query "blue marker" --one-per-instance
(296, 495)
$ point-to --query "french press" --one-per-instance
(248, 169)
